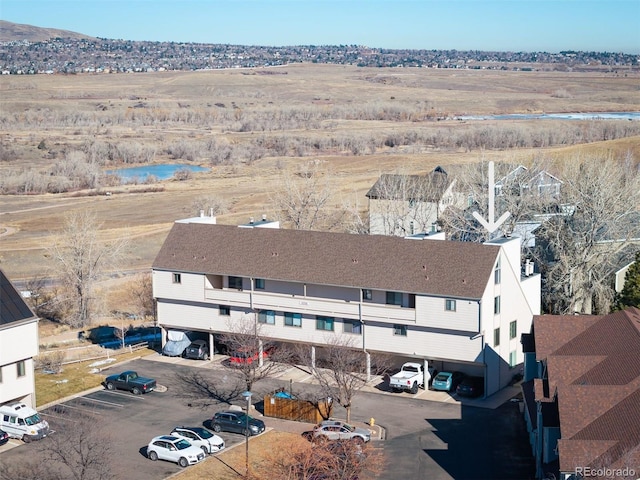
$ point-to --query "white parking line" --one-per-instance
(103, 401)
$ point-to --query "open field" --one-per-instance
(44, 119)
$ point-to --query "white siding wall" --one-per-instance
(430, 311)
(18, 343)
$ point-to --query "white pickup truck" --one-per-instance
(410, 377)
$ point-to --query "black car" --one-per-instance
(471, 387)
(231, 421)
(198, 349)
(4, 437)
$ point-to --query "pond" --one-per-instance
(557, 116)
(161, 172)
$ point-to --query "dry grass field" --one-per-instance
(158, 111)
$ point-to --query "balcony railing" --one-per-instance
(310, 305)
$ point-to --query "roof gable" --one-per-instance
(13, 308)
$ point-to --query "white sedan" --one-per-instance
(174, 449)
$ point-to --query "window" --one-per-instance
(400, 330)
(177, 278)
(512, 358)
(21, 368)
(450, 305)
(513, 329)
(267, 316)
(496, 337)
(235, 282)
(353, 326)
(324, 323)
(259, 283)
(225, 310)
(292, 319)
(367, 294)
(496, 305)
(394, 298)
(496, 273)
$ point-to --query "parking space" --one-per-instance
(424, 433)
(130, 421)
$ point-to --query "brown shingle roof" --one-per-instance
(594, 363)
(432, 267)
(424, 188)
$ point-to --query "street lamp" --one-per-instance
(247, 395)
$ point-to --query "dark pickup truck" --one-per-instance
(130, 380)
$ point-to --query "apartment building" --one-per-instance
(460, 306)
(18, 346)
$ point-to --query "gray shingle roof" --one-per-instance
(432, 267)
(13, 308)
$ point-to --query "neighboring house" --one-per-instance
(404, 205)
(18, 346)
(581, 391)
(461, 306)
(539, 183)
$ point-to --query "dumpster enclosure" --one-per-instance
(281, 404)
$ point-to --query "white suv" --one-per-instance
(336, 430)
(174, 449)
(200, 437)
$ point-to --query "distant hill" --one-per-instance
(10, 31)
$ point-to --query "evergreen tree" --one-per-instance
(630, 294)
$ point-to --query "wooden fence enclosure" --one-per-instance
(298, 410)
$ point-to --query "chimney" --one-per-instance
(264, 217)
(434, 227)
(251, 220)
(202, 213)
(211, 211)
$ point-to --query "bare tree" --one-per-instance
(82, 448)
(340, 369)
(303, 197)
(141, 295)
(82, 259)
(593, 230)
(210, 205)
(298, 459)
(79, 450)
(258, 356)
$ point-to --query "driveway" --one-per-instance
(424, 439)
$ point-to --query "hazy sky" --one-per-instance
(503, 25)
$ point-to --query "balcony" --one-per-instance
(310, 305)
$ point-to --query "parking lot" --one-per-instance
(424, 438)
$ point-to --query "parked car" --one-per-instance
(240, 357)
(236, 422)
(174, 449)
(410, 377)
(337, 430)
(198, 350)
(471, 387)
(200, 437)
(4, 437)
(447, 381)
(129, 380)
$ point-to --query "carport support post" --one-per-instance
(426, 372)
(367, 357)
